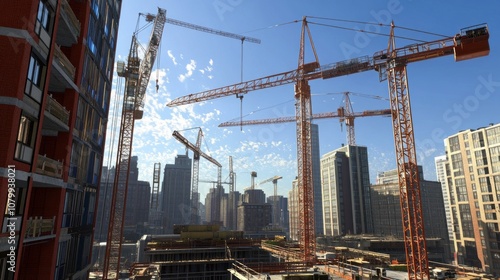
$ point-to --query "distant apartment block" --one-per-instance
(386, 211)
(473, 181)
(176, 193)
(254, 214)
(345, 182)
(280, 218)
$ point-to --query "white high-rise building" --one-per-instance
(440, 162)
(473, 180)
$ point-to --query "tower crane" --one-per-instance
(471, 42)
(196, 166)
(136, 76)
(342, 113)
(232, 201)
(276, 216)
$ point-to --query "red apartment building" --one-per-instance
(55, 83)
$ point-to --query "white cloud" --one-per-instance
(169, 52)
(190, 67)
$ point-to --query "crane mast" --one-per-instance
(346, 115)
(406, 160)
(232, 206)
(136, 79)
(391, 64)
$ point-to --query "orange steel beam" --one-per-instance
(326, 115)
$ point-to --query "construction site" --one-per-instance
(196, 251)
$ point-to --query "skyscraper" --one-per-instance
(473, 180)
(57, 64)
(176, 193)
(441, 171)
(316, 177)
(345, 182)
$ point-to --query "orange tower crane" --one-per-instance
(391, 63)
(137, 76)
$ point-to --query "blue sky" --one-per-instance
(447, 96)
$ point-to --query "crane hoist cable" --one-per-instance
(241, 95)
(158, 61)
(113, 129)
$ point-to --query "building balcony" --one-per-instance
(49, 167)
(69, 26)
(63, 72)
(56, 117)
(39, 227)
(64, 62)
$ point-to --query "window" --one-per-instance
(454, 144)
(34, 79)
(477, 139)
(493, 135)
(25, 139)
(481, 157)
(43, 22)
(495, 159)
(42, 16)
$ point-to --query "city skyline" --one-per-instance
(446, 96)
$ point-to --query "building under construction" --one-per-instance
(197, 252)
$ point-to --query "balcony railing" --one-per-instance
(68, 13)
(57, 110)
(49, 167)
(64, 62)
(38, 226)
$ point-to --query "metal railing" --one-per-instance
(64, 62)
(242, 271)
(72, 19)
(48, 166)
(38, 226)
(57, 110)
